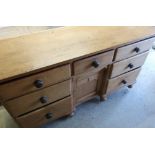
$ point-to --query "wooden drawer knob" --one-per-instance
(131, 65)
(39, 83)
(44, 99)
(124, 82)
(48, 115)
(137, 50)
(95, 64)
(153, 46)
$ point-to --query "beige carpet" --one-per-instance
(5, 119)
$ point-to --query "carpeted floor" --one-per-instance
(125, 108)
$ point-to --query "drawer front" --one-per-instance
(38, 99)
(128, 64)
(133, 49)
(93, 63)
(34, 82)
(123, 80)
(86, 87)
(46, 114)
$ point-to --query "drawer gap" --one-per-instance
(125, 72)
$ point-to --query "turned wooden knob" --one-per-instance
(48, 115)
(39, 83)
(131, 65)
(44, 99)
(124, 82)
(130, 86)
(153, 46)
(136, 49)
(95, 64)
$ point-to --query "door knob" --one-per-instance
(95, 64)
(136, 49)
(44, 99)
(131, 65)
(48, 115)
(124, 82)
(153, 46)
(39, 83)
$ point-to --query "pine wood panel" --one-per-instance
(123, 66)
(116, 83)
(86, 65)
(26, 85)
(129, 51)
(31, 53)
(86, 86)
(16, 31)
(32, 101)
(38, 117)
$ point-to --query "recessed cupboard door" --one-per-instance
(86, 87)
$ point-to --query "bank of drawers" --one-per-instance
(35, 82)
(46, 114)
(127, 64)
(39, 98)
(31, 99)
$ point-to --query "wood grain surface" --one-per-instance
(15, 31)
(31, 53)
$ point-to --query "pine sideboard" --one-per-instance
(45, 75)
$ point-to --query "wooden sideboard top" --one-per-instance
(31, 53)
(16, 31)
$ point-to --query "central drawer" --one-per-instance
(38, 99)
(46, 114)
(93, 63)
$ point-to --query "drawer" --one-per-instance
(93, 63)
(128, 64)
(133, 49)
(123, 80)
(86, 87)
(35, 82)
(46, 114)
(38, 99)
